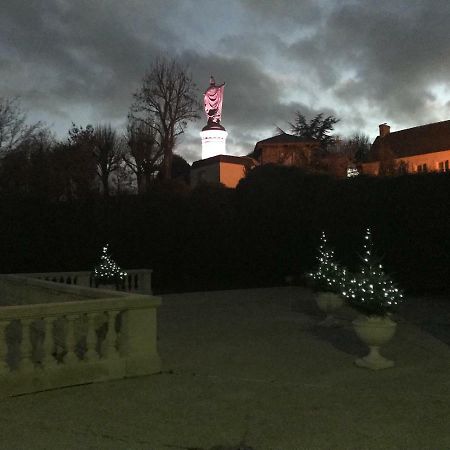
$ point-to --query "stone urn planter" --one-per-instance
(328, 302)
(372, 293)
(374, 331)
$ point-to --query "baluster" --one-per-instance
(145, 282)
(4, 368)
(26, 347)
(109, 344)
(48, 360)
(70, 357)
(91, 339)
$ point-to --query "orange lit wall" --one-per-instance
(230, 174)
(371, 168)
(432, 161)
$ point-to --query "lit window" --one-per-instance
(422, 168)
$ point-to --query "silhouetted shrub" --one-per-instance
(212, 237)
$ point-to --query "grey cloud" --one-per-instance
(256, 46)
(362, 61)
(305, 13)
(394, 51)
(252, 98)
(189, 146)
(249, 93)
(85, 53)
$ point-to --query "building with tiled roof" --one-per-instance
(285, 149)
(425, 148)
(225, 169)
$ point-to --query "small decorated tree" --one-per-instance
(371, 291)
(327, 281)
(329, 275)
(107, 271)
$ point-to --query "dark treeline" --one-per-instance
(216, 238)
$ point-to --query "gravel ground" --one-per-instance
(251, 369)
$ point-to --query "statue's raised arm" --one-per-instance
(213, 101)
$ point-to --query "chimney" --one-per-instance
(384, 129)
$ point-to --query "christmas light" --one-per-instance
(328, 275)
(371, 291)
(107, 271)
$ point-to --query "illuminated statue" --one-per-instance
(213, 101)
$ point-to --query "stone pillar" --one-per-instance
(138, 341)
(4, 367)
(91, 339)
(145, 282)
(109, 344)
(71, 357)
(48, 361)
(26, 347)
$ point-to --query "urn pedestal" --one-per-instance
(374, 331)
(328, 302)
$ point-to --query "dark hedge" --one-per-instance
(217, 238)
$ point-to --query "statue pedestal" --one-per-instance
(213, 142)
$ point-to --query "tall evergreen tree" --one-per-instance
(317, 128)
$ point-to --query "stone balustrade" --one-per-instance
(137, 280)
(109, 335)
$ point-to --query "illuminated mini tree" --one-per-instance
(328, 276)
(107, 271)
(371, 291)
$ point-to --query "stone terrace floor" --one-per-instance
(252, 368)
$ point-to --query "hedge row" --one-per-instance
(215, 238)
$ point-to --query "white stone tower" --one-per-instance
(213, 140)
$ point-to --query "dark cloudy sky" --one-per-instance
(366, 62)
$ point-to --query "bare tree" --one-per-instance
(107, 152)
(29, 169)
(123, 180)
(356, 147)
(13, 127)
(165, 102)
(359, 147)
(145, 154)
